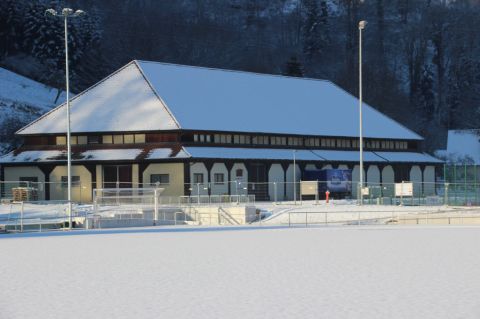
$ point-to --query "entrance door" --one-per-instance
(258, 181)
(117, 176)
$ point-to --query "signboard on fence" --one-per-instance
(365, 191)
(403, 189)
(308, 188)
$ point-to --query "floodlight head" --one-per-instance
(79, 13)
(51, 12)
(362, 24)
(67, 12)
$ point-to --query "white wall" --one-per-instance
(429, 180)
(219, 189)
(356, 179)
(416, 178)
(239, 185)
(81, 193)
(276, 175)
(176, 178)
(201, 169)
(388, 175)
(373, 176)
(13, 174)
(289, 185)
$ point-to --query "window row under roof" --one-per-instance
(242, 139)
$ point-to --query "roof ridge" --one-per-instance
(156, 94)
(235, 71)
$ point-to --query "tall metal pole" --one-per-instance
(361, 26)
(66, 12)
(294, 177)
(69, 146)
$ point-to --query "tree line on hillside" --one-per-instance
(421, 57)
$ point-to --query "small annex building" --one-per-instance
(180, 126)
(463, 147)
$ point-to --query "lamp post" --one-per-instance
(65, 14)
(361, 26)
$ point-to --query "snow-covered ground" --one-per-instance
(353, 272)
(17, 88)
(21, 101)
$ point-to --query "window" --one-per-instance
(75, 181)
(239, 173)
(81, 140)
(260, 140)
(93, 139)
(107, 139)
(73, 140)
(139, 138)
(312, 142)
(223, 138)
(295, 141)
(25, 181)
(219, 178)
(328, 142)
(198, 178)
(161, 179)
(118, 139)
(61, 140)
(241, 139)
(128, 139)
(278, 140)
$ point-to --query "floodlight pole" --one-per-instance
(361, 26)
(65, 14)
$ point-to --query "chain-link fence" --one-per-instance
(457, 189)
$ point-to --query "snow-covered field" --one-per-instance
(351, 272)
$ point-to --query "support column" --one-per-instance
(285, 168)
(47, 170)
(186, 177)
(229, 166)
(209, 165)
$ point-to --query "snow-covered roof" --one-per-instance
(122, 102)
(308, 155)
(145, 96)
(33, 156)
(463, 146)
(408, 157)
(161, 153)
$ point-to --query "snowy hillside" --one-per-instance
(21, 101)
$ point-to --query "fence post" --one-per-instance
(275, 191)
(155, 207)
(21, 218)
(465, 183)
(475, 182)
(446, 194)
(86, 219)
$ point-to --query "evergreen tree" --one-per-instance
(315, 28)
(293, 68)
(427, 95)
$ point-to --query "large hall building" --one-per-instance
(180, 126)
